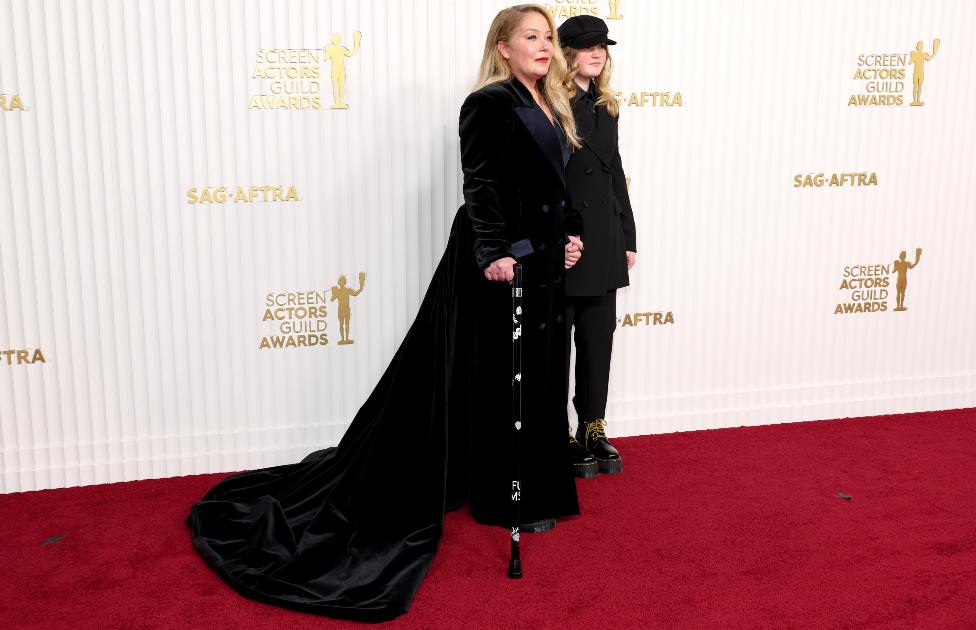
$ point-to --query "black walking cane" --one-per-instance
(515, 562)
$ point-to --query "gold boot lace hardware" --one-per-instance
(595, 429)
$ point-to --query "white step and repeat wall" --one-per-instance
(193, 195)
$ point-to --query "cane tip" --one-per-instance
(515, 570)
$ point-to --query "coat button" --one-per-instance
(562, 204)
(606, 169)
(586, 204)
(588, 171)
(545, 207)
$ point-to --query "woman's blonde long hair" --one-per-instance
(605, 94)
(554, 88)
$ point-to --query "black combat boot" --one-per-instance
(592, 435)
(583, 464)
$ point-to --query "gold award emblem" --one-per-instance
(343, 294)
(881, 77)
(866, 285)
(901, 267)
(918, 58)
(615, 11)
(290, 78)
(337, 53)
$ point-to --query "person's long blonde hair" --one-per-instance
(605, 94)
(554, 89)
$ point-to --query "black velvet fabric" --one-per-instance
(350, 531)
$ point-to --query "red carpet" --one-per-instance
(734, 528)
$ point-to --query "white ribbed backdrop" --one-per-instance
(148, 309)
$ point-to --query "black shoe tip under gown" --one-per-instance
(350, 531)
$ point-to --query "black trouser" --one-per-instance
(594, 320)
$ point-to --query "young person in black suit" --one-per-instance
(598, 192)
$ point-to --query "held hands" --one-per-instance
(501, 270)
(574, 250)
(631, 260)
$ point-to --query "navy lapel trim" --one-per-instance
(539, 127)
(546, 138)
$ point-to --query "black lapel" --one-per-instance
(550, 141)
(596, 130)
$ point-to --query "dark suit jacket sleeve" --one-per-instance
(623, 198)
(485, 130)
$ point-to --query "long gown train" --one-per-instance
(350, 531)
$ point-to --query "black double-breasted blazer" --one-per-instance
(513, 160)
(597, 191)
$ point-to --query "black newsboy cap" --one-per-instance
(583, 31)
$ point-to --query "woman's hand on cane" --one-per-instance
(501, 270)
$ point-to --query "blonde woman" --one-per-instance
(517, 132)
(350, 531)
(598, 191)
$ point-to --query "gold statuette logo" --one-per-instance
(291, 78)
(918, 57)
(343, 294)
(867, 287)
(301, 318)
(11, 103)
(22, 357)
(337, 54)
(881, 77)
(901, 267)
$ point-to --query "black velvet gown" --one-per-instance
(350, 531)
